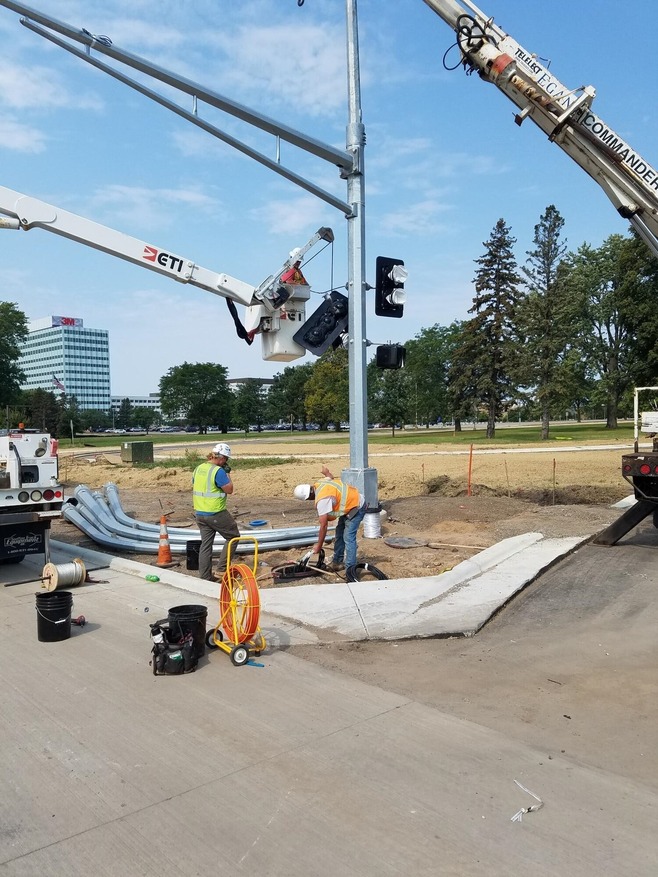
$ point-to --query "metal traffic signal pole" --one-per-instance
(359, 474)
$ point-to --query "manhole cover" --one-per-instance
(405, 542)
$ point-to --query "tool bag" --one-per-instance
(173, 654)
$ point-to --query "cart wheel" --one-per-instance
(211, 636)
(239, 655)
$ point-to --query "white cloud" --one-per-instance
(39, 87)
(419, 218)
(19, 137)
(302, 68)
(293, 215)
(149, 208)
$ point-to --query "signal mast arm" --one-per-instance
(18, 211)
(565, 115)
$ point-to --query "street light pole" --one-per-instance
(359, 474)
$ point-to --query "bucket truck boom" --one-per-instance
(22, 212)
(564, 114)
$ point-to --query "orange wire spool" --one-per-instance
(239, 603)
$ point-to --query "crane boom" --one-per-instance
(565, 115)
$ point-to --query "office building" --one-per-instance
(150, 401)
(61, 356)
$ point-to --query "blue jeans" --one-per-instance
(345, 538)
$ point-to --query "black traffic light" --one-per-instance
(390, 356)
(390, 296)
(324, 325)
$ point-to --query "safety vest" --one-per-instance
(207, 497)
(346, 495)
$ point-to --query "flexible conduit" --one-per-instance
(103, 519)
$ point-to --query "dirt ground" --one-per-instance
(428, 517)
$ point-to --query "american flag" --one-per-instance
(58, 384)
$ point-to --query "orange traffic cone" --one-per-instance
(164, 549)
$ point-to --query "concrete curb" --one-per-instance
(456, 603)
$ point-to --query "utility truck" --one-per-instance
(30, 493)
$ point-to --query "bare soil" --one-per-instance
(429, 524)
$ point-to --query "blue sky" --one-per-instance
(444, 159)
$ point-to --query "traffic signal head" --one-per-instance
(390, 356)
(325, 325)
(390, 275)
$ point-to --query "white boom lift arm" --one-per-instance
(21, 212)
(563, 114)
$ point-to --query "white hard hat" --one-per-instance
(302, 491)
(295, 255)
(222, 450)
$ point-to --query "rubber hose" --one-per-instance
(353, 573)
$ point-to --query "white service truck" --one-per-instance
(30, 493)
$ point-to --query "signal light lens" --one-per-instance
(645, 469)
(627, 468)
(23, 496)
(49, 494)
(36, 496)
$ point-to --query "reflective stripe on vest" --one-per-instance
(348, 496)
(206, 496)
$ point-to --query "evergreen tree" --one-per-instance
(546, 316)
(487, 358)
(249, 405)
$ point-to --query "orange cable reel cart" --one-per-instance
(239, 609)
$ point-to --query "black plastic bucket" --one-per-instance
(190, 619)
(54, 615)
(192, 550)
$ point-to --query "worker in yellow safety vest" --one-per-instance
(334, 499)
(211, 483)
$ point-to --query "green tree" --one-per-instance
(144, 416)
(639, 293)
(94, 419)
(200, 390)
(547, 316)
(286, 397)
(429, 355)
(69, 417)
(249, 404)
(486, 356)
(13, 331)
(390, 396)
(42, 410)
(608, 337)
(327, 395)
(124, 418)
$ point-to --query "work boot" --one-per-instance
(335, 566)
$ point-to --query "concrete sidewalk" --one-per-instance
(456, 603)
